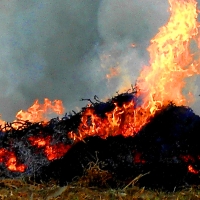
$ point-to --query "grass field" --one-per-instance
(21, 190)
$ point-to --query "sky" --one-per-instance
(64, 49)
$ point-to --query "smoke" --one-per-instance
(123, 23)
(64, 49)
(42, 47)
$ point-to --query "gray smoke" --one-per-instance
(64, 49)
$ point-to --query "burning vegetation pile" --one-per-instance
(166, 149)
(149, 130)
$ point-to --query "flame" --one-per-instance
(10, 160)
(192, 170)
(114, 71)
(133, 45)
(120, 121)
(188, 158)
(52, 152)
(137, 158)
(37, 112)
(160, 83)
(170, 58)
(171, 61)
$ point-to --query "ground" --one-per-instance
(83, 189)
(21, 190)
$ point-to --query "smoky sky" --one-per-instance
(63, 49)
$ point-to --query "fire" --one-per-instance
(188, 158)
(120, 121)
(133, 45)
(37, 112)
(192, 170)
(10, 160)
(160, 83)
(52, 152)
(171, 61)
(170, 58)
(114, 71)
(137, 158)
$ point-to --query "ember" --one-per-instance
(149, 130)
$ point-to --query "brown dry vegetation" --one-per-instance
(91, 186)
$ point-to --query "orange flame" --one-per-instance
(52, 152)
(170, 57)
(162, 82)
(37, 112)
(120, 121)
(192, 170)
(10, 160)
(171, 61)
(114, 71)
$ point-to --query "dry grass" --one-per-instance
(19, 190)
(92, 186)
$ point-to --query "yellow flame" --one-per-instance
(170, 58)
